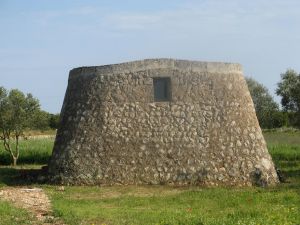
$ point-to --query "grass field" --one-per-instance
(12, 215)
(35, 151)
(168, 205)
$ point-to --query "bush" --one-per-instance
(54, 121)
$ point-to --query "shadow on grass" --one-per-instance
(28, 158)
(11, 176)
(290, 170)
(292, 174)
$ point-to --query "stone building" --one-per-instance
(160, 121)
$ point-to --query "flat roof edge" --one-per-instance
(162, 63)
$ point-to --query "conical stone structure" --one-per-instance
(160, 121)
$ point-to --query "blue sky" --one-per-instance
(41, 40)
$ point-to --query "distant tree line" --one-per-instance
(46, 121)
(269, 113)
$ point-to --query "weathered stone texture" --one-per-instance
(112, 131)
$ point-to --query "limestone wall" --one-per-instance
(112, 131)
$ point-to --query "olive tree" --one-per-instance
(289, 90)
(267, 110)
(17, 112)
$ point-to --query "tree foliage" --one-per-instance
(17, 113)
(40, 120)
(54, 121)
(289, 90)
(267, 110)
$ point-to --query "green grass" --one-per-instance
(291, 138)
(31, 152)
(166, 205)
(284, 152)
(284, 148)
(169, 205)
(12, 215)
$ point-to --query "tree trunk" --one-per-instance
(15, 161)
(16, 156)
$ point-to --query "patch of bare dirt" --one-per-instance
(32, 199)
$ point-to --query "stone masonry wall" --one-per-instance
(112, 131)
